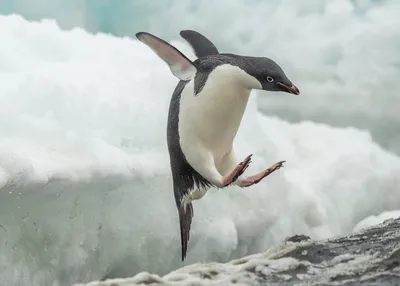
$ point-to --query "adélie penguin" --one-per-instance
(205, 113)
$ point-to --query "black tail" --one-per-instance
(185, 220)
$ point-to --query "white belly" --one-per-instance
(211, 119)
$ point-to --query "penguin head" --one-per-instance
(270, 75)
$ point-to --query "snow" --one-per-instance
(376, 219)
(237, 272)
(335, 261)
(84, 169)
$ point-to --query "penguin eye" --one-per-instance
(270, 79)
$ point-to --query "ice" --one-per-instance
(344, 53)
(85, 171)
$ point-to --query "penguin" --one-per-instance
(205, 112)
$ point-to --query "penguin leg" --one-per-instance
(251, 180)
(229, 161)
(204, 163)
(237, 171)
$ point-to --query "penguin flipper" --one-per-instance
(185, 220)
(179, 64)
(200, 44)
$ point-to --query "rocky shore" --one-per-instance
(368, 257)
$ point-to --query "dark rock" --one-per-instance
(298, 238)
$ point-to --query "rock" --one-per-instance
(368, 257)
(298, 238)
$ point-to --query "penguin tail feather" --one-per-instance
(185, 220)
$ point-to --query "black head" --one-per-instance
(270, 75)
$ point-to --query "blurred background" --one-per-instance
(85, 184)
(345, 53)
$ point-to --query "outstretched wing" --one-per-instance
(179, 64)
(201, 45)
(185, 220)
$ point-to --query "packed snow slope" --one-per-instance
(85, 185)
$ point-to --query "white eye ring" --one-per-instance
(270, 79)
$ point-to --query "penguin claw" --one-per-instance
(237, 172)
(255, 179)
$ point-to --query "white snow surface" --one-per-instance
(376, 219)
(235, 272)
(84, 171)
(253, 268)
